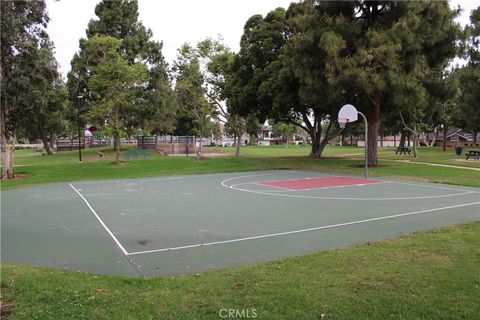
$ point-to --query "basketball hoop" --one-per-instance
(349, 113)
(342, 122)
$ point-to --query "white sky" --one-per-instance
(172, 21)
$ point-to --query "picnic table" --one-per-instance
(403, 150)
(473, 153)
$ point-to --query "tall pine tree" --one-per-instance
(154, 100)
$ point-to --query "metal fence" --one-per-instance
(69, 145)
(153, 140)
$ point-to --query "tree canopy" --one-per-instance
(154, 109)
(469, 78)
(28, 71)
(303, 64)
(111, 84)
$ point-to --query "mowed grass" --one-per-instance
(33, 169)
(425, 154)
(430, 275)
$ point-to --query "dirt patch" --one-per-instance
(346, 155)
(204, 155)
(19, 177)
(5, 306)
(98, 157)
(212, 155)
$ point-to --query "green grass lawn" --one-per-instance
(33, 168)
(430, 275)
(425, 154)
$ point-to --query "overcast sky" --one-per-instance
(172, 21)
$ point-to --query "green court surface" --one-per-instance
(188, 224)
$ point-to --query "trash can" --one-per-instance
(458, 151)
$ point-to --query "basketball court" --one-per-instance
(167, 226)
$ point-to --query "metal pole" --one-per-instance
(79, 130)
(366, 143)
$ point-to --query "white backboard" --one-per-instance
(348, 113)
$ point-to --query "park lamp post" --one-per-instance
(79, 100)
(348, 113)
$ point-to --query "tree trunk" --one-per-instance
(7, 150)
(403, 137)
(199, 150)
(415, 139)
(116, 147)
(7, 144)
(373, 124)
(445, 132)
(435, 137)
(321, 147)
(51, 140)
(315, 135)
(43, 136)
(475, 133)
(321, 142)
(237, 150)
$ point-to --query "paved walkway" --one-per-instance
(434, 164)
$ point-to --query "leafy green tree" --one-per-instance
(473, 37)
(111, 84)
(280, 72)
(155, 109)
(217, 132)
(190, 92)
(469, 79)
(469, 104)
(390, 57)
(50, 97)
(261, 42)
(39, 80)
(316, 45)
(160, 117)
(253, 127)
(218, 60)
(23, 26)
(285, 130)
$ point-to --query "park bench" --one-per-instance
(473, 153)
(403, 150)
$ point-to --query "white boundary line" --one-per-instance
(264, 190)
(425, 186)
(125, 252)
(271, 193)
(302, 230)
(278, 194)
